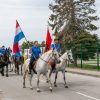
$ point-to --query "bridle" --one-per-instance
(44, 60)
(48, 60)
(66, 58)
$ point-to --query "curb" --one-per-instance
(81, 73)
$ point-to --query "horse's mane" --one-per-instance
(64, 54)
(46, 53)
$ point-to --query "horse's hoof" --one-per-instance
(38, 90)
(31, 88)
(55, 85)
(50, 89)
(7, 76)
(24, 86)
(2, 74)
(47, 81)
(66, 86)
(17, 73)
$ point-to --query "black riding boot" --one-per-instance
(30, 68)
(34, 71)
(53, 67)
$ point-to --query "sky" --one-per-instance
(32, 16)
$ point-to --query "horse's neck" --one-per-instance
(47, 57)
(63, 59)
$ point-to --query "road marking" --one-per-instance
(93, 98)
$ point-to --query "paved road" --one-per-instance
(80, 88)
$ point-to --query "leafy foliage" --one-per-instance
(72, 17)
(72, 21)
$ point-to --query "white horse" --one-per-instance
(61, 67)
(41, 68)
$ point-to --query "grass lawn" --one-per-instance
(85, 66)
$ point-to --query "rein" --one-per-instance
(44, 60)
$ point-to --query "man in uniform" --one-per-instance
(55, 46)
(35, 54)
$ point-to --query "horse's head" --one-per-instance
(70, 56)
(6, 56)
(55, 56)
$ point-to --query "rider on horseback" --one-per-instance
(2, 50)
(9, 51)
(35, 53)
(55, 46)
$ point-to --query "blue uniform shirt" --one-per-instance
(56, 46)
(2, 51)
(36, 51)
(10, 51)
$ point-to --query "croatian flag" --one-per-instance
(18, 36)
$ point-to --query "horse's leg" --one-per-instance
(10, 67)
(38, 77)
(7, 70)
(17, 69)
(64, 77)
(49, 79)
(13, 66)
(24, 77)
(50, 73)
(30, 80)
(21, 68)
(55, 83)
(2, 72)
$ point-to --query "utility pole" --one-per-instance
(81, 56)
(97, 57)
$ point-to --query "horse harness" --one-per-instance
(66, 59)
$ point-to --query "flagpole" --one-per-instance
(28, 46)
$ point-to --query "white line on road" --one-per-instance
(93, 98)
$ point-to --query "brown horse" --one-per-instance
(4, 62)
(19, 62)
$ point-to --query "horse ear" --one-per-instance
(70, 50)
(66, 50)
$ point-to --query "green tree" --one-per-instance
(85, 44)
(42, 44)
(26, 45)
(71, 18)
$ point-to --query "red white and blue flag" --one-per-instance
(18, 36)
